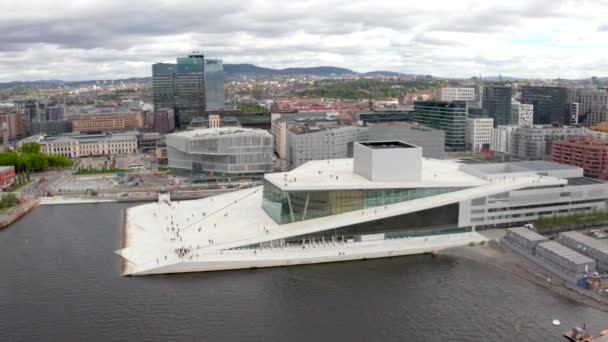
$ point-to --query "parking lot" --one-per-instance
(79, 184)
(148, 162)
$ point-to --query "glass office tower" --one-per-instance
(496, 104)
(190, 87)
(449, 117)
(214, 84)
(550, 103)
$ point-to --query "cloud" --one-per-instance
(104, 39)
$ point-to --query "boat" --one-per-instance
(578, 334)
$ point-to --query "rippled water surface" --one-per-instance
(60, 281)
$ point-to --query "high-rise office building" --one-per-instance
(163, 85)
(447, 116)
(496, 104)
(550, 103)
(214, 84)
(190, 87)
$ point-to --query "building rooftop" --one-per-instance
(587, 240)
(379, 145)
(565, 252)
(209, 132)
(583, 181)
(410, 125)
(339, 174)
(492, 170)
(528, 234)
(82, 137)
(305, 129)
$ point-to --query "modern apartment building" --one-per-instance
(522, 114)
(592, 105)
(280, 127)
(534, 143)
(108, 122)
(496, 104)
(586, 152)
(478, 133)
(447, 116)
(550, 104)
(320, 142)
(225, 151)
(11, 125)
(500, 138)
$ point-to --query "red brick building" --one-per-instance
(7, 177)
(585, 152)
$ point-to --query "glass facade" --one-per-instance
(294, 206)
(446, 116)
(435, 221)
(214, 84)
(190, 87)
(229, 153)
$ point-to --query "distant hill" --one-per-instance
(382, 74)
(250, 69)
(230, 70)
(504, 78)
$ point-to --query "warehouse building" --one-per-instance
(523, 240)
(563, 261)
(595, 249)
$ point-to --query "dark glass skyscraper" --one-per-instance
(163, 85)
(496, 103)
(447, 116)
(214, 84)
(550, 103)
(187, 87)
(190, 88)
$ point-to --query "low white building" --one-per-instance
(457, 94)
(76, 146)
(478, 133)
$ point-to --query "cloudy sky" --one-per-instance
(104, 39)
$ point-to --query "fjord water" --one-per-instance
(60, 281)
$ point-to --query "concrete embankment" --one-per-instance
(495, 254)
(132, 197)
(15, 213)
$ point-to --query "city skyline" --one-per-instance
(112, 39)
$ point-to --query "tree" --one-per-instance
(8, 200)
(30, 147)
(250, 107)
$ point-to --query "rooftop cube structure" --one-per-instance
(388, 161)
